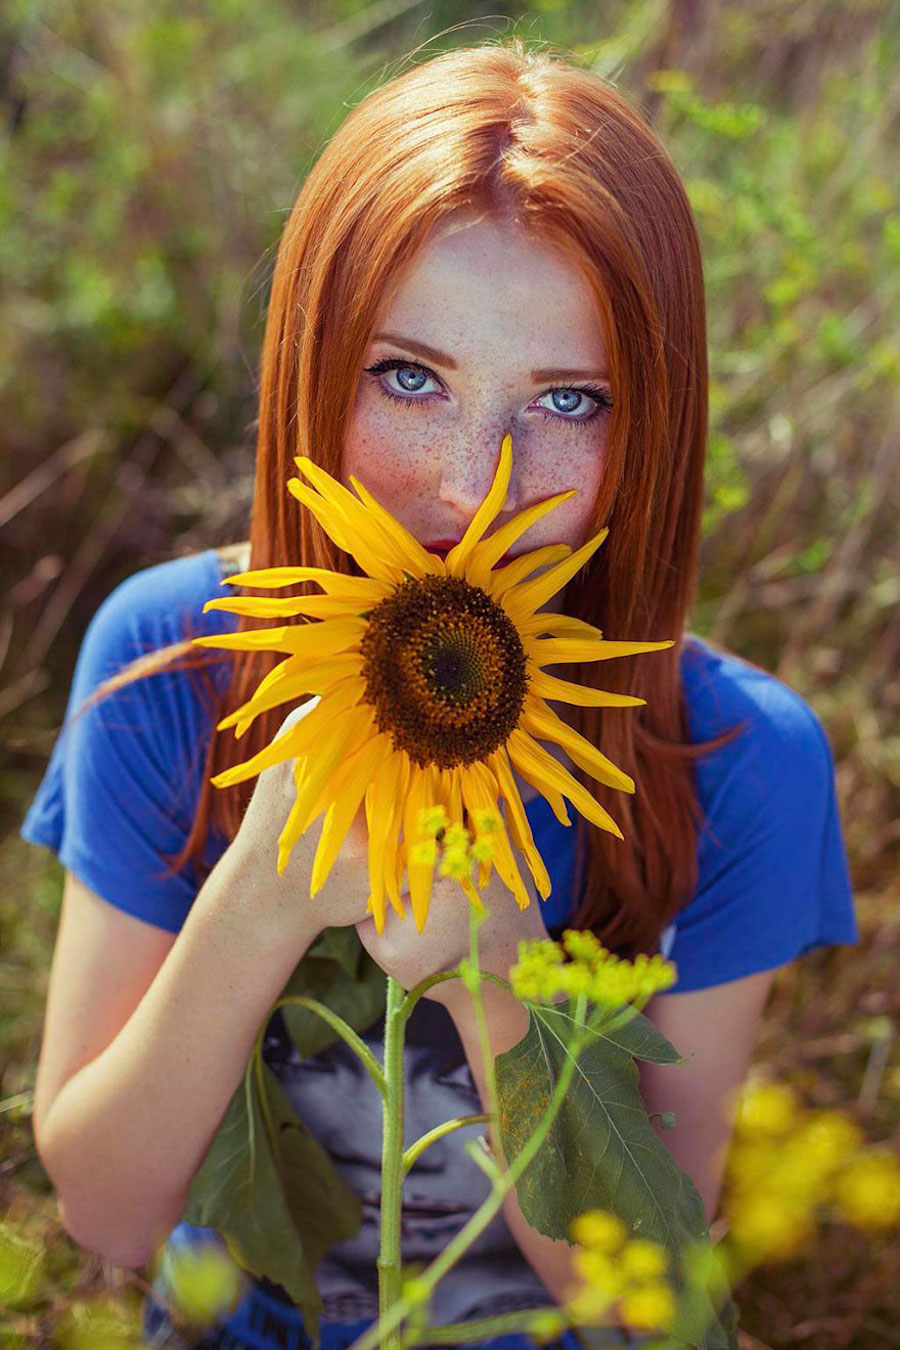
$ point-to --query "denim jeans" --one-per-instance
(261, 1322)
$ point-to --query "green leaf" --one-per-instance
(602, 1152)
(339, 972)
(273, 1194)
(266, 1184)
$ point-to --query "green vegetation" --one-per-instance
(151, 154)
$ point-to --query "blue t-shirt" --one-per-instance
(121, 788)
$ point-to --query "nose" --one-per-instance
(468, 470)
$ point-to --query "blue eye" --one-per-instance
(599, 395)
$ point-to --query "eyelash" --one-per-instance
(594, 391)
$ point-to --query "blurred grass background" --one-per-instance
(151, 154)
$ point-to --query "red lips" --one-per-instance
(443, 546)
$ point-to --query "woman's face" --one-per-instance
(486, 332)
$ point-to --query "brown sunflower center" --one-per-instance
(445, 671)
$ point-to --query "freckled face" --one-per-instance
(498, 311)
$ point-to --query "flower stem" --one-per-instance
(452, 1333)
(389, 1259)
(383, 1331)
(346, 1032)
(446, 1127)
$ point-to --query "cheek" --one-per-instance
(385, 461)
(580, 468)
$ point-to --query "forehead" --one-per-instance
(482, 283)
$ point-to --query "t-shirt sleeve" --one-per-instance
(774, 880)
(121, 787)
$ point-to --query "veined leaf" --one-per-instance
(602, 1152)
(338, 971)
(275, 1194)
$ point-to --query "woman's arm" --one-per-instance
(123, 1137)
(716, 1030)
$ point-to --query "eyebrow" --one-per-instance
(442, 359)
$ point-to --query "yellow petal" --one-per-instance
(565, 691)
(491, 550)
(521, 603)
(296, 682)
(276, 607)
(362, 546)
(460, 554)
(360, 521)
(421, 562)
(288, 837)
(519, 825)
(420, 874)
(382, 796)
(544, 724)
(274, 677)
(551, 651)
(345, 729)
(511, 573)
(393, 854)
(559, 625)
(282, 748)
(537, 766)
(335, 583)
(479, 789)
(348, 788)
(313, 639)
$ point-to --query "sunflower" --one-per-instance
(432, 687)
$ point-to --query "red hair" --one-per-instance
(539, 144)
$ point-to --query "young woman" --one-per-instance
(492, 241)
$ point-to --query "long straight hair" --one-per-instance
(541, 145)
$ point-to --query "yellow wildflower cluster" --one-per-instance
(627, 1275)
(786, 1161)
(204, 1283)
(459, 849)
(542, 972)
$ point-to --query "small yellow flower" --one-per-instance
(433, 819)
(767, 1108)
(750, 1161)
(589, 1305)
(597, 1269)
(650, 1308)
(206, 1283)
(599, 1230)
(486, 822)
(828, 1139)
(547, 1324)
(455, 863)
(425, 851)
(868, 1192)
(482, 848)
(764, 1227)
(641, 1259)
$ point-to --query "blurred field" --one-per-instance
(151, 155)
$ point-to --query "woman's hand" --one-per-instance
(409, 956)
(282, 902)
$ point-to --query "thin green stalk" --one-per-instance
(420, 1145)
(389, 1259)
(479, 1328)
(391, 1316)
(355, 1042)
